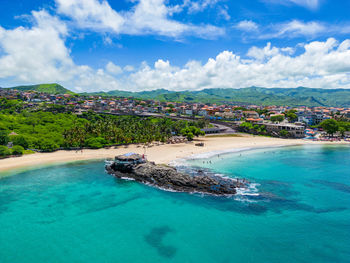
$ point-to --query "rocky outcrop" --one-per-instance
(169, 178)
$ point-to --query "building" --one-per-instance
(297, 131)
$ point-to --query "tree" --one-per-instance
(331, 126)
(4, 151)
(4, 138)
(277, 118)
(189, 136)
(291, 116)
(246, 126)
(95, 143)
(20, 140)
(191, 131)
(342, 131)
(284, 134)
(17, 150)
(48, 145)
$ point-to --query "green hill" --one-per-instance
(254, 95)
(300, 96)
(46, 88)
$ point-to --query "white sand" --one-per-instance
(159, 154)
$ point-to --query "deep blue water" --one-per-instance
(78, 213)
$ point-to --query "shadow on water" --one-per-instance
(108, 205)
(274, 196)
(334, 185)
(155, 239)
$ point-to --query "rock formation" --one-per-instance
(169, 178)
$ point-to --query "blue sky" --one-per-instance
(89, 45)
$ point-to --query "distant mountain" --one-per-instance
(254, 95)
(47, 88)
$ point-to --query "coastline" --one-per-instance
(160, 154)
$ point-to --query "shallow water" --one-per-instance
(78, 213)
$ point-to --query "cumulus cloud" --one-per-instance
(321, 65)
(247, 25)
(145, 17)
(113, 69)
(91, 14)
(38, 54)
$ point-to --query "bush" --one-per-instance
(190, 132)
(17, 150)
(4, 138)
(20, 140)
(284, 133)
(95, 143)
(4, 151)
(48, 145)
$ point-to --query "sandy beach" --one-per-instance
(158, 153)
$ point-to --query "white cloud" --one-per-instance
(113, 69)
(299, 28)
(145, 17)
(321, 65)
(309, 4)
(129, 68)
(247, 25)
(291, 29)
(38, 54)
(223, 12)
(198, 6)
(263, 53)
(91, 14)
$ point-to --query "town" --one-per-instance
(277, 121)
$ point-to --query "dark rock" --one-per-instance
(170, 179)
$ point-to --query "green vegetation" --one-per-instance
(277, 118)
(253, 129)
(253, 95)
(46, 88)
(10, 106)
(191, 131)
(47, 131)
(284, 134)
(291, 116)
(4, 151)
(17, 150)
(331, 126)
(4, 138)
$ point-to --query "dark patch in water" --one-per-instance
(155, 239)
(274, 182)
(334, 185)
(105, 206)
(330, 210)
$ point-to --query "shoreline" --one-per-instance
(160, 154)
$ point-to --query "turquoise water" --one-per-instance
(78, 213)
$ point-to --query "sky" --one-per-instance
(134, 45)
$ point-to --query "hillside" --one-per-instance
(253, 95)
(47, 88)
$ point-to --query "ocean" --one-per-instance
(297, 209)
